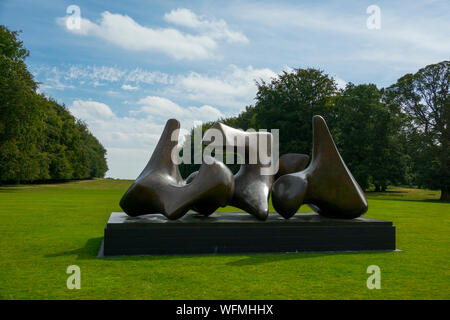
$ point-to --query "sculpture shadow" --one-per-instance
(91, 249)
(87, 252)
(257, 259)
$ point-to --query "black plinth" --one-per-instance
(242, 233)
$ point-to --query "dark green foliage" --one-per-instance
(424, 99)
(367, 135)
(367, 130)
(289, 102)
(39, 139)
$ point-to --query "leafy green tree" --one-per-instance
(39, 139)
(424, 99)
(367, 135)
(10, 45)
(289, 102)
(19, 116)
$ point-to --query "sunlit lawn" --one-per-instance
(45, 228)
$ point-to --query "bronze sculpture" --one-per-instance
(161, 189)
(251, 188)
(290, 163)
(327, 185)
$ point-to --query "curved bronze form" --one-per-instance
(327, 185)
(252, 189)
(290, 163)
(161, 189)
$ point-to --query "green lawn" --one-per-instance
(46, 228)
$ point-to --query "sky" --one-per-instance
(125, 68)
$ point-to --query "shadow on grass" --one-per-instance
(11, 189)
(406, 200)
(256, 259)
(89, 251)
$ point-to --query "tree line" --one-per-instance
(397, 135)
(39, 139)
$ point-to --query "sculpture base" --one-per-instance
(241, 233)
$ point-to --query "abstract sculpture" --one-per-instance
(251, 189)
(327, 186)
(290, 163)
(161, 189)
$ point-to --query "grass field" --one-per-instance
(46, 228)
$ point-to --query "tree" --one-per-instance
(289, 102)
(424, 99)
(19, 115)
(39, 138)
(10, 46)
(366, 132)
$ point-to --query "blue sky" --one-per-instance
(132, 65)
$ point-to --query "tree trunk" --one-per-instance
(377, 188)
(445, 194)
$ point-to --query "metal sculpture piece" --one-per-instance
(290, 163)
(327, 185)
(251, 188)
(161, 189)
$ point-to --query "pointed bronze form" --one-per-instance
(161, 189)
(252, 189)
(327, 185)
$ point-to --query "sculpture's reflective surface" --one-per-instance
(327, 185)
(161, 189)
(290, 163)
(251, 188)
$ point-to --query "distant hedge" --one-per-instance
(39, 139)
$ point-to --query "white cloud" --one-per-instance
(126, 163)
(162, 107)
(123, 31)
(217, 29)
(53, 79)
(234, 88)
(90, 110)
(69, 76)
(129, 87)
(340, 83)
(416, 39)
(102, 73)
(139, 75)
(130, 140)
